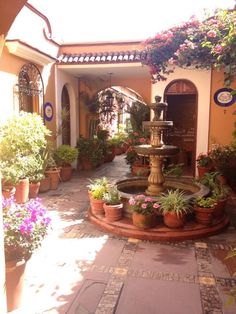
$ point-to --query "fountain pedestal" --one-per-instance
(156, 178)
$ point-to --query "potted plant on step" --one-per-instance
(113, 205)
(220, 194)
(25, 227)
(204, 164)
(64, 156)
(144, 210)
(174, 207)
(203, 208)
(97, 189)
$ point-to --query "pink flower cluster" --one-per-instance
(143, 204)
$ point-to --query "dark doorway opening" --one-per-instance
(182, 110)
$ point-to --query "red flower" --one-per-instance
(211, 34)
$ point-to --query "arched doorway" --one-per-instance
(181, 96)
(65, 117)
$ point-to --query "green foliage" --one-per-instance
(112, 196)
(22, 139)
(65, 154)
(207, 202)
(138, 113)
(174, 201)
(204, 160)
(174, 169)
(98, 187)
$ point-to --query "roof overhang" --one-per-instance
(118, 70)
(27, 52)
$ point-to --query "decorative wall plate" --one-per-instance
(223, 97)
(48, 111)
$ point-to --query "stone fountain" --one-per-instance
(157, 151)
(154, 185)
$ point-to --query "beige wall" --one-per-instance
(202, 80)
(221, 119)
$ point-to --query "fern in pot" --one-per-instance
(174, 207)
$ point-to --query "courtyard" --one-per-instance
(80, 269)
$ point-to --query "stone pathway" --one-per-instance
(81, 270)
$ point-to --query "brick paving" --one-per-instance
(82, 270)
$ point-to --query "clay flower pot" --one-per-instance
(54, 175)
(96, 205)
(172, 220)
(44, 185)
(15, 271)
(113, 212)
(144, 221)
(8, 191)
(34, 189)
(204, 215)
(203, 170)
(22, 191)
(219, 209)
(66, 173)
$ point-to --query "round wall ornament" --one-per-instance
(223, 97)
(48, 111)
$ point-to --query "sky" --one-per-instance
(109, 20)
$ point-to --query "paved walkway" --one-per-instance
(82, 270)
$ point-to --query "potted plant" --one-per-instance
(144, 210)
(204, 164)
(220, 194)
(113, 205)
(97, 188)
(174, 207)
(64, 156)
(21, 138)
(203, 208)
(25, 227)
(53, 172)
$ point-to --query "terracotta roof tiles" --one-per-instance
(103, 57)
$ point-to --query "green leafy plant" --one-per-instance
(174, 169)
(22, 138)
(65, 155)
(204, 160)
(98, 187)
(143, 204)
(207, 202)
(174, 201)
(25, 227)
(112, 196)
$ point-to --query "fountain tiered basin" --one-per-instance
(155, 184)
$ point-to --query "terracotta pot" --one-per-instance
(8, 191)
(144, 221)
(54, 176)
(203, 215)
(22, 191)
(87, 165)
(66, 173)
(15, 271)
(172, 220)
(219, 209)
(113, 212)
(96, 206)
(203, 170)
(34, 189)
(44, 185)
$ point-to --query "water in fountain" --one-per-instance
(157, 151)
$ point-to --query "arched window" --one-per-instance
(65, 116)
(30, 89)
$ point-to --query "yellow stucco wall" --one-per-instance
(222, 119)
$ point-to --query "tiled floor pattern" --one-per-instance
(82, 270)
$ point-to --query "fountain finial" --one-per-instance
(159, 109)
